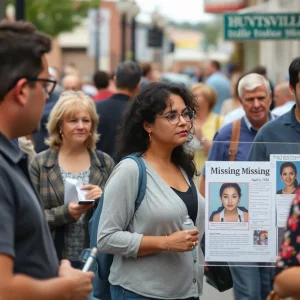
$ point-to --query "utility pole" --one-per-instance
(123, 36)
(97, 40)
(20, 9)
(133, 40)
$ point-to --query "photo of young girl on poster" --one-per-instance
(230, 196)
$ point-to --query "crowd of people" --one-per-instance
(60, 129)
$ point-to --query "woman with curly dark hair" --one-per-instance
(153, 255)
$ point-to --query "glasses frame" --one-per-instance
(50, 80)
(30, 79)
(180, 115)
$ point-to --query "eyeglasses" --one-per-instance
(49, 83)
(174, 118)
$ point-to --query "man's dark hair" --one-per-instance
(294, 70)
(216, 64)
(151, 101)
(128, 75)
(261, 70)
(21, 50)
(101, 80)
(146, 68)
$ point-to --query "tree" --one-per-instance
(54, 17)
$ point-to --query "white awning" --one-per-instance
(272, 6)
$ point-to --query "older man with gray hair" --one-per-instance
(233, 143)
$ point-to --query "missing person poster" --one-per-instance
(286, 168)
(240, 213)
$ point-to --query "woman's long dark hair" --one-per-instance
(150, 101)
(291, 165)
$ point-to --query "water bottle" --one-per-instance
(187, 225)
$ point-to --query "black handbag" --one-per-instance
(217, 276)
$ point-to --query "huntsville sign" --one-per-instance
(270, 26)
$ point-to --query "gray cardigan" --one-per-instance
(165, 275)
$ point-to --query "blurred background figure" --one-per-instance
(70, 69)
(87, 86)
(206, 124)
(39, 137)
(101, 82)
(234, 102)
(218, 81)
(128, 77)
(147, 73)
(54, 73)
(112, 83)
(284, 99)
(198, 76)
(72, 82)
(232, 69)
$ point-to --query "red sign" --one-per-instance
(221, 6)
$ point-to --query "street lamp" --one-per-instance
(157, 31)
(127, 8)
(123, 7)
(134, 11)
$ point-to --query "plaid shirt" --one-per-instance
(46, 177)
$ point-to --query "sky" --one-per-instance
(174, 10)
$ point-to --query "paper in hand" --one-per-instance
(73, 192)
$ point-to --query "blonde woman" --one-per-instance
(206, 123)
(72, 137)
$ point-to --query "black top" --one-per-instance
(110, 113)
(24, 232)
(191, 203)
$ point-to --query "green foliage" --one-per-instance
(56, 16)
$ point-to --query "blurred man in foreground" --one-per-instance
(28, 261)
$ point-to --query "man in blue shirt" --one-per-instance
(283, 135)
(219, 82)
(250, 283)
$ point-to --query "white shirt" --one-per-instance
(240, 216)
(282, 109)
(236, 114)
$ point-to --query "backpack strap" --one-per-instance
(142, 179)
(235, 138)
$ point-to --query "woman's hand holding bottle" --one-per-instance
(183, 240)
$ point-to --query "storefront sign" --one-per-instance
(276, 26)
